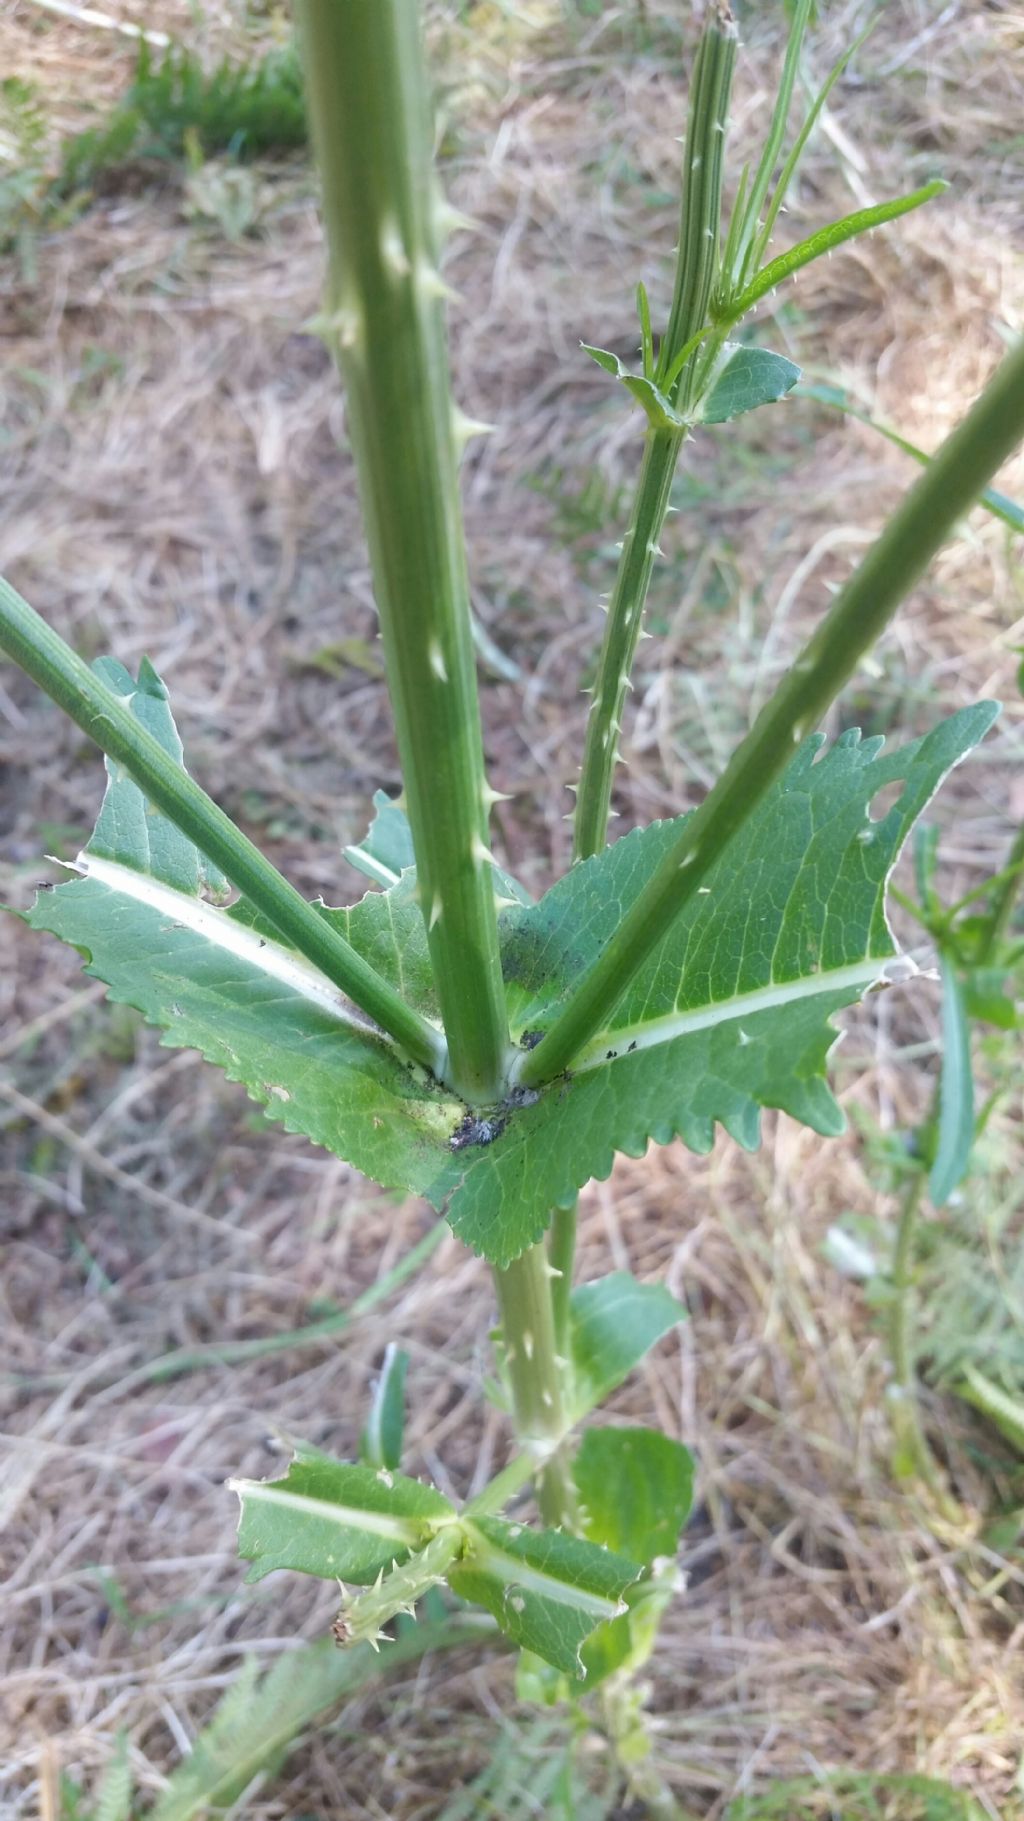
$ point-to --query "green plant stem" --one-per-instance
(903, 1391)
(68, 679)
(491, 1502)
(703, 164)
(695, 274)
(621, 637)
(1003, 900)
(385, 321)
(860, 613)
(536, 1377)
(561, 1259)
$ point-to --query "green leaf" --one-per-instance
(385, 851)
(636, 1490)
(628, 1642)
(220, 981)
(1002, 1409)
(731, 1013)
(997, 503)
(860, 222)
(128, 829)
(733, 1010)
(380, 1444)
(334, 1520)
(659, 410)
(749, 204)
(743, 379)
(764, 229)
(546, 1590)
(216, 982)
(955, 1134)
(613, 1324)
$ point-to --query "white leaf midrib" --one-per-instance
(516, 1574)
(407, 1531)
(207, 921)
(654, 1032)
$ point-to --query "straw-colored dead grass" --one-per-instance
(173, 485)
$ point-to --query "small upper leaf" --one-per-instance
(334, 1520)
(743, 379)
(547, 1590)
(862, 221)
(660, 412)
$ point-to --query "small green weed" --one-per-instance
(174, 111)
(849, 1796)
(244, 110)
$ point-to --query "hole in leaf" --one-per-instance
(884, 800)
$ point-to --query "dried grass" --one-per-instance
(173, 485)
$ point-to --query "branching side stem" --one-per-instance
(695, 275)
(100, 713)
(965, 464)
(1003, 901)
(621, 637)
(703, 163)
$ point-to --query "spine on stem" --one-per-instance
(385, 321)
(696, 267)
(860, 613)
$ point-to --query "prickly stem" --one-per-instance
(859, 614)
(385, 316)
(703, 160)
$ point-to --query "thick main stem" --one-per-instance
(536, 1375)
(385, 320)
(964, 465)
(370, 117)
(107, 719)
